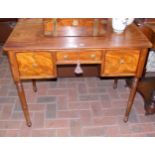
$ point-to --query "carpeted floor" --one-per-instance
(71, 107)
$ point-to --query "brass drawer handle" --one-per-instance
(122, 61)
(75, 22)
(34, 65)
(65, 57)
(93, 56)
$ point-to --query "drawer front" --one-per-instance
(35, 65)
(121, 62)
(90, 56)
(85, 57)
(66, 57)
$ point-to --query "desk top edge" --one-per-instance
(19, 39)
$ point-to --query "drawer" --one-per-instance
(120, 62)
(67, 57)
(90, 56)
(35, 65)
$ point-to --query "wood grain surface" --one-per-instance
(84, 57)
(38, 64)
(119, 62)
(29, 34)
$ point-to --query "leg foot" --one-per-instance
(146, 113)
(131, 99)
(115, 84)
(125, 119)
(23, 102)
(29, 124)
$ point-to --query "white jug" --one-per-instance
(119, 24)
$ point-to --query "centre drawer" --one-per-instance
(89, 57)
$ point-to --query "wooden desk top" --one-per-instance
(28, 35)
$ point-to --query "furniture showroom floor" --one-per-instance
(71, 107)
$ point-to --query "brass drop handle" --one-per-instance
(75, 22)
(65, 57)
(93, 56)
(34, 65)
(122, 61)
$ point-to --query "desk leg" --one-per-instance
(115, 83)
(23, 102)
(34, 85)
(131, 98)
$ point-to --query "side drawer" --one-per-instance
(36, 65)
(120, 62)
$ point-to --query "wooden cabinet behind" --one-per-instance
(6, 27)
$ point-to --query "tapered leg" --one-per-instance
(23, 102)
(131, 98)
(34, 85)
(115, 83)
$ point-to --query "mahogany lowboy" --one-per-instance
(35, 55)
